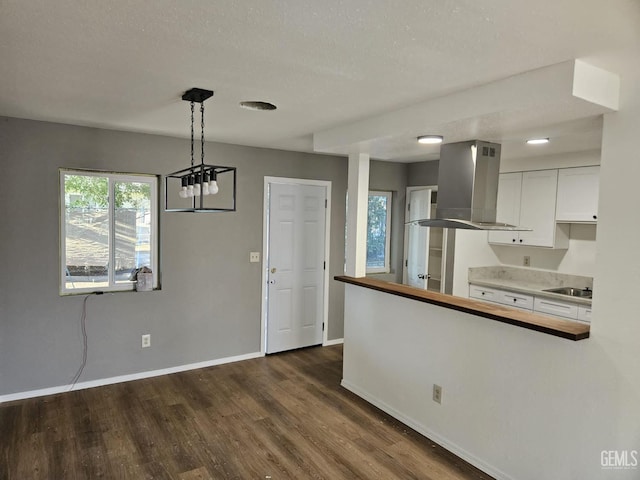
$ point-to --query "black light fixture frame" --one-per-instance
(199, 95)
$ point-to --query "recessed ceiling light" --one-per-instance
(430, 139)
(258, 105)
(537, 141)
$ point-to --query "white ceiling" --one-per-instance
(124, 64)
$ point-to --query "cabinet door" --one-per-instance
(508, 207)
(538, 207)
(584, 314)
(555, 308)
(578, 194)
(486, 294)
(518, 300)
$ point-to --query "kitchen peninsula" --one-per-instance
(489, 365)
(540, 323)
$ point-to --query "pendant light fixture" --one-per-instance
(195, 188)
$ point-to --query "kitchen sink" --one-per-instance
(571, 291)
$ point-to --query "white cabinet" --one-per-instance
(518, 300)
(528, 199)
(508, 207)
(485, 293)
(555, 308)
(584, 314)
(578, 194)
(503, 297)
(532, 303)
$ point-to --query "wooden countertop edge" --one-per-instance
(560, 328)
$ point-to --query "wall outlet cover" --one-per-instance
(254, 257)
(146, 340)
(437, 393)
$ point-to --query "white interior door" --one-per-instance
(296, 256)
(418, 239)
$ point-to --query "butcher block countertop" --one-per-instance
(551, 326)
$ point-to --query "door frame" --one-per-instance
(265, 253)
(405, 250)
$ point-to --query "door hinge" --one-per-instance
(408, 207)
(325, 202)
(323, 326)
(324, 265)
(406, 262)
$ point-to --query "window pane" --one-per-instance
(86, 201)
(132, 214)
(377, 231)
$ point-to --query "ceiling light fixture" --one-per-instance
(537, 141)
(198, 181)
(430, 139)
(253, 105)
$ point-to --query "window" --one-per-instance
(378, 232)
(108, 228)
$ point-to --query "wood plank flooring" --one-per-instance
(280, 417)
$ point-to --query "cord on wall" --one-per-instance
(83, 326)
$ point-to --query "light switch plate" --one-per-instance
(254, 257)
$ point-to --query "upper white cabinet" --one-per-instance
(528, 199)
(578, 194)
(508, 207)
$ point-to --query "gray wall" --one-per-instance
(388, 176)
(422, 173)
(396, 177)
(209, 305)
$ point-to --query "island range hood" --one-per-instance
(468, 188)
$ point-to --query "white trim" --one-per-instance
(126, 378)
(112, 178)
(265, 251)
(420, 428)
(335, 341)
(405, 248)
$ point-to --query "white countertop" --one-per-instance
(530, 282)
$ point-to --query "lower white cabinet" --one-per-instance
(584, 314)
(531, 303)
(555, 308)
(503, 297)
(518, 300)
(485, 293)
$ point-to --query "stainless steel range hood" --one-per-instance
(468, 187)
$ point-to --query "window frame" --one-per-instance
(112, 179)
(387, 246)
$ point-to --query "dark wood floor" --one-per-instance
(283, 416)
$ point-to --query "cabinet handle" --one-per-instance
(515, 300)
(520, 240)
(513, 240)
(595, 217)
(482, 293)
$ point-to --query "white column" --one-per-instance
(357, 205)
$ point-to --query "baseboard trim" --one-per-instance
(125, 378)
(418, 427)
(335, 341)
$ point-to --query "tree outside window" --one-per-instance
(378, 232)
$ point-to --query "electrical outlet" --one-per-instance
(437, 393)
(527, 261)
(146, 340)
(254, 257)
